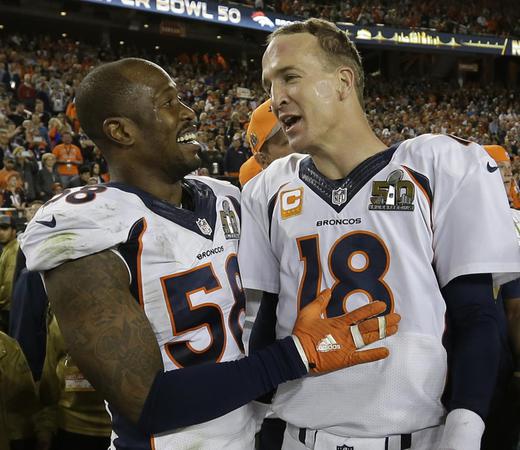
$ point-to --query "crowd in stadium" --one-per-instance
(480, 17)
(44, 150)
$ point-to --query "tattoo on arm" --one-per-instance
(105, 329)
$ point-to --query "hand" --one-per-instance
(463, 430)
(331, 344)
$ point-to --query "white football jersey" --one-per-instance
(184, 273)
(398, 228)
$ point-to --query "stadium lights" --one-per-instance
(63, 13)
(146, 25)
(157, 47)
(121, 42)
(219, 36)
(63, 34)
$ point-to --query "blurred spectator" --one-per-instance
(13, 196)
(41, 113)
(26, 92)
(31, 209)
(47, 177)
(19, 115)
(74, 416)
(8, 171)
(95, 173)
(27, 167)
(57, 188)
(97, 157)
(56, 128)
(18, 398)
(87, 146)
(68, 157)
(82, 178)
(236, 155)
(27, 320)
(213, 162)
(7, 266)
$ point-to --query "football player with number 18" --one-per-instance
(423, 226)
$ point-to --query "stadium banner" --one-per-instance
(378, 36)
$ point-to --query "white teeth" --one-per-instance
(187, 137)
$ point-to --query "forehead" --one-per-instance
(149, 78)
(289, 50)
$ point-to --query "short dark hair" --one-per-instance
(335, 43)
(109, 90)
(84, 168)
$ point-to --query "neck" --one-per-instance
(150, 181)
(352, 143)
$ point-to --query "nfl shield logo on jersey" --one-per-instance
(204, 226)
(344, 447)
(339, 196)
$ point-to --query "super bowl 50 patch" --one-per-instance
(394, 194)
(229, 221)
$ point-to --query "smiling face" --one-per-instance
(305, 91)
(131, 109)
(168, 130)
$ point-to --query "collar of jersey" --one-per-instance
(353, 182)
(204, 205)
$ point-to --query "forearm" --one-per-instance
(105, 330)
(197, 394)
(474, 367)
(474, 342)
(263, 332)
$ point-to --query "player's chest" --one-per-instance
(195, 239)
(392, 204)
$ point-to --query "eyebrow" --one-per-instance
(279, 71)
(165, 91)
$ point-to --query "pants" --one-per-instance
(271, 434)
(301, 439)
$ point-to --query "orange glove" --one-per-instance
(332, 344)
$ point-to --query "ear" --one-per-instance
(120, 131)
(346, 81)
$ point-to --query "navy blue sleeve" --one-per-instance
(192, 395)
(264, 331)
(264, 328)
(511, 290)
(28, 319)
(473, 342)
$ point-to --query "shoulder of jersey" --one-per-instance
(110, 200)
(74, 226)
(219, 187)
(438, 143)
(278, 173)
(441, 148)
